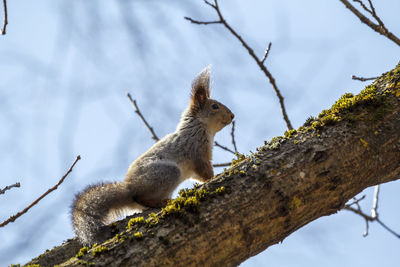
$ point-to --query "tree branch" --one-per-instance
(374, 213)
(5, 22)
(8, 187)
(137, 110)
(266, 53)
(224, 147)
(222, 164)
(265, 197)
(363, 79)
(259, 62)
(379, 28)
(14, 217)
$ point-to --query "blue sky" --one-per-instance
(65, 68)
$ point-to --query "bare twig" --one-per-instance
(202, 22)
(363, 79)
(14, 217)
(252, 54)
(233, 137)
(363, 6)
(367, 218)
(374, 210)
(3, 31)
(153, 134)
(266, 52)
(224, 147)
(379, 28)
(8, 187)
(222, 164)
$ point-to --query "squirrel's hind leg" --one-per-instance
(157, 184)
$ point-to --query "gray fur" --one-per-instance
(152, 178)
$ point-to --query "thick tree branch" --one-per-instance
(379, 28)
(262, 199)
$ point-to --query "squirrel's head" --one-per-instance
(211, 112)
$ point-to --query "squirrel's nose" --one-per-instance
(232, 116)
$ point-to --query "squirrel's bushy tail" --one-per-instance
(92, 207)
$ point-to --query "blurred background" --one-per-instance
(66, 66)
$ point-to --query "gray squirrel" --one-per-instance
(152, 178)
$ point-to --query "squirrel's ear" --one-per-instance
(201, 87)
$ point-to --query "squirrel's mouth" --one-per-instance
(227, 122)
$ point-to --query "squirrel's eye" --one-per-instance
(215, 106)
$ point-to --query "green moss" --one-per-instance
(138, 235)
(365, 143)
(98, 250)
(239, 158)
(308, 121)
(290, 133)
(82, 252)
(343, 108)
(86, 263)
(135, 221)
(295, 203)
(220, 190)
(152, 220)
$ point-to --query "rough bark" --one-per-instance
(267, 196)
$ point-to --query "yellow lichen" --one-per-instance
(135, 221)
(365, 143)
(82, 252)
(138, 235)
(99, 249)
(295, 203)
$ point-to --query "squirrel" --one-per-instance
(152, 178)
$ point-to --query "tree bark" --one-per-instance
(262, 199)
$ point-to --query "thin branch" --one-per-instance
(356, 201)
(372, 11)
(376, 17)
(153, 134)
(222, 164)
(387, 228)
(252, 54)
(202, 22)
(14, 217)
(266, 52)
(374, 210)
(3, 31)
(363, 79)
(208, 3)
(363, 6)
(381, 28)
(224, 147)
(233, 137)
(8, 187)
(367, 218)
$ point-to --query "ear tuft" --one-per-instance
(201, 87)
